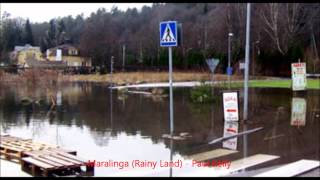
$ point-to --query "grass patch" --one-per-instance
(121, 78)
(270, 83)
(311, 84)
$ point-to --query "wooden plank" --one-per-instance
(32, 143)
(52, 153)
(68, 155)
(234, 166)
(68, 151)
(23, 148)
(33, 153)
(210, 154)
(65, 163)
(39, 158)
(292, 169)
(12, 138)
(13, 148)
(67, 159)
(37, 163)
(28, 145)
(140, 92)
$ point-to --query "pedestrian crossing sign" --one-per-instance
(168, 33)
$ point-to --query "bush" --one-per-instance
(202, 94)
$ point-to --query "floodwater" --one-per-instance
(105, 125)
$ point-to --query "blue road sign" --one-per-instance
(229, 71)
(168, 34)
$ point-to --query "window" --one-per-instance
(73, 52)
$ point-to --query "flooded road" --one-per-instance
(108, 126)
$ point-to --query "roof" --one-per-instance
(64, 46)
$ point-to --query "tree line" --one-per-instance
(281, 33)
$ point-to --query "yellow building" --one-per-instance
(68, 54)
(22, 53)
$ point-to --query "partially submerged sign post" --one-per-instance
(169, 38)
(230, 106)
(298, 74)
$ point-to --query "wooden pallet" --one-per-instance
(12, 148)
(54, 162)
(41, 159)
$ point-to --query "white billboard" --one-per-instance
(298, 74)
(230, 106)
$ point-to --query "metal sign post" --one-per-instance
(169, 38)
(246, 79)
(111, 69)
(246, 70)
(171, 91)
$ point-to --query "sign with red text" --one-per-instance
(298, 112)
(230, 106)
(230, 128)
(298, 74)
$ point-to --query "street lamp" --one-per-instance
(229, 70)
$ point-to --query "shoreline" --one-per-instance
(133, 78)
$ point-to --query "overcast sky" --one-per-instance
(40, 12)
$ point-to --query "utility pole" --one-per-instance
(247, 60)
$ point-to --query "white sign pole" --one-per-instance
(171, 93)
(169, 38)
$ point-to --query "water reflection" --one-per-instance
(230, 128)
(298, 112)
(94, 121)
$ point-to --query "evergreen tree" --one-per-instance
(28, 37)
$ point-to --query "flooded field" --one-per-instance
(104, 125)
